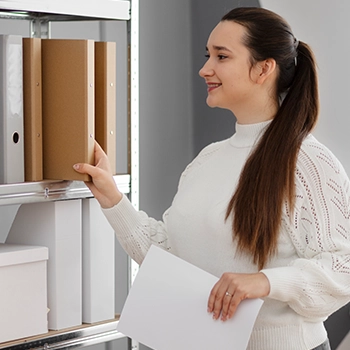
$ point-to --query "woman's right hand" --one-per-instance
(102, 186)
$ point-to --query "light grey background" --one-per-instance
(325, 27)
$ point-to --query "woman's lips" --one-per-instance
(212, 86)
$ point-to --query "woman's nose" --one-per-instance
(206, 70)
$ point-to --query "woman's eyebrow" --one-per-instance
(219, 48)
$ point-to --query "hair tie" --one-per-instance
(296, 45)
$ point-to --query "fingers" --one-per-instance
(102, 184)
(101, 162)
(232, 289)
(84, 168)
(99, 153)
(234, 303)
(220, 298)
(223, 304)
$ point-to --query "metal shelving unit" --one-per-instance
(73, 338)
(40, 13)
(43, 191)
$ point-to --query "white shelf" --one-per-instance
(42, 191)
(101, 9)
(85, 335)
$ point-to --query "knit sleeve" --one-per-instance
(317, 283)
(135, 230)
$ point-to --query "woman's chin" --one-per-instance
(211, 103)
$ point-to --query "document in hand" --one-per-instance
(166, 308)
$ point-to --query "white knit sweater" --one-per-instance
(309, 275)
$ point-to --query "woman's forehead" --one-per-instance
(226, 34)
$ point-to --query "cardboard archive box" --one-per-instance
(23, 292)
(68, 97)
(105, 99)
(56, 225)
(32, 95)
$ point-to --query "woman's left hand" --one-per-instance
(232, 288)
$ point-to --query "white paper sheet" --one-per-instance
(166, 308)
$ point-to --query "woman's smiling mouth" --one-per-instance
(212, 86)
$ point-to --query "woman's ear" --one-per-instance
(266, 69)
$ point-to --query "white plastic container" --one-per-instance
(56, 225)
(23, 291)
(98, 264)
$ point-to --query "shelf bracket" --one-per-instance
(40, 28)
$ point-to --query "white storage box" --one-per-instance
(56, 225)
(98, 264)
(23, 293)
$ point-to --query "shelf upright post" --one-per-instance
(134, 114)
(134, 126)
(134, 102)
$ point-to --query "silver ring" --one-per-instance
(228, 294)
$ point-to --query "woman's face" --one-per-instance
(228, 71)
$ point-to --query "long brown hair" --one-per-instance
(267, 179)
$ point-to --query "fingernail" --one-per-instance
(76, 166)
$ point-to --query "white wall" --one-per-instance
(325, 26)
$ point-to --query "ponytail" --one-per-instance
(267, 180)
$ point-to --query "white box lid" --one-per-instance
(13, 254)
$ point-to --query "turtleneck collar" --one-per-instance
(246, 135)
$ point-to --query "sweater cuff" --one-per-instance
(123, 216)
(283, 282)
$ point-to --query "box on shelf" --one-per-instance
(68, 107)
(98, 264)
(56, 225)
(23, 292)
(11, 107)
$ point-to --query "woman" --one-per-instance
(267, 210)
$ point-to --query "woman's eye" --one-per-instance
(220, 57)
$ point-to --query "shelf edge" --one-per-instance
(33, 192)
(103, 9)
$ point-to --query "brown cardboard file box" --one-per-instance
(23, 295)
(68, 107)
(32, 94)
(105, 99)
